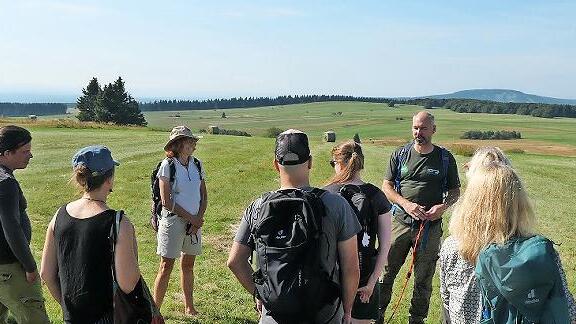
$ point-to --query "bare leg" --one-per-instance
(161, 282)
(187, 282)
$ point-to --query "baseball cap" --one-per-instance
(96, 158)
(292, 147)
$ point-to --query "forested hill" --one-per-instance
(503, 95)
(24, 109)
(458, 105)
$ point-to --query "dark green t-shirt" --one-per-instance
(422, 178)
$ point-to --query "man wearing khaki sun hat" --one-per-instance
(184, 200)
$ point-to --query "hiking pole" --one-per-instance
(409, 274)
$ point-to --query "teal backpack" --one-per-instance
(520, 283)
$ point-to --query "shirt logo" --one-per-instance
(433, 172)
(531, 298)
(280, 235)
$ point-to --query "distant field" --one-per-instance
(240, 168)
(376, 121)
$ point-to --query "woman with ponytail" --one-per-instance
(373, 211)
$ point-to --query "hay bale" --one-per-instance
(330, 136)
(213, 130)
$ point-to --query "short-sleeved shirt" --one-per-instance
(186, 186)
(422, 178)
(340, 224)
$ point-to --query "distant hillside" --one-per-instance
(503, 95)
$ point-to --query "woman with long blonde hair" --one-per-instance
(348, 162)
(494, 209)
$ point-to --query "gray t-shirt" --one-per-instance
(340, 224)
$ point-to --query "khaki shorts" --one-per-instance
(172, 238)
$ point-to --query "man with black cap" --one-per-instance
(20, 291)
(269, 223)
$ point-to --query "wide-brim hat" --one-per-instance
(179, 132)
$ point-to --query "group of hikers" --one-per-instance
(305, 254)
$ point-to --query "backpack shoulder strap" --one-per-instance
(400, 160)
(445, 164)
(172, 167)
(198, 166)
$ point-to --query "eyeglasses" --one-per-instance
(332, 163)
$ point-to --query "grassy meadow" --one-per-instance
(240, 168)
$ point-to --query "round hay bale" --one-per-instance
(330, 136)
(213, 130)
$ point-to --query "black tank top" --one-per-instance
(84, 259)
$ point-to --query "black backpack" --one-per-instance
(361, 203)
(293, 279)
(156, 207)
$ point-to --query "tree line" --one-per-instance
(24, 109)
(457, 105)
(111, 104)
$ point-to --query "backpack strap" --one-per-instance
(172, 167)
(113, 237)
(198, 166)
(445, 165)
(400, 160)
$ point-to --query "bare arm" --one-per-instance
(384, 237)
(203, 199)
(240, 267)
(350, 273)
(170, 204)
(413, 209)
(126, 258)
(49, 264)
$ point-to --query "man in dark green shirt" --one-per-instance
(422, 182)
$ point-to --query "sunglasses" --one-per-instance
(332, 163)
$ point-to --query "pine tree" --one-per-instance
(115, 105)
(86, 104)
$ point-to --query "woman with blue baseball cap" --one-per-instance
(77, 257)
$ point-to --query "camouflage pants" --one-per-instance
(24, 300)
(403, 238)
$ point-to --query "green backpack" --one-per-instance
(520, 283)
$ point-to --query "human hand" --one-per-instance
(259, 306)
(31, 276)
(347, 319)
(435, 212)
(416, 211)
(365, 293)
(196, 221)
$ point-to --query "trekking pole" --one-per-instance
(409, 274)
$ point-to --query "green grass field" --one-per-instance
(240, 168)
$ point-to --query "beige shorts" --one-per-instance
(172, 238)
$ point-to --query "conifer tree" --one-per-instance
(86, 104)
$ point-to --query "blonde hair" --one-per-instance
(494, 208)
(350, 154)
(484, 156)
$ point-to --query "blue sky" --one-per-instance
(190, 49)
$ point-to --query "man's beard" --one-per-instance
(421, 140)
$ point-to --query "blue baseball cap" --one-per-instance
(96, 158)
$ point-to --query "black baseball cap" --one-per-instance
(292, 147)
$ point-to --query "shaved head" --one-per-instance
(424, 116)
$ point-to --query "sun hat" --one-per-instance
(97, 158)
(292, 147)
(179, 132)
